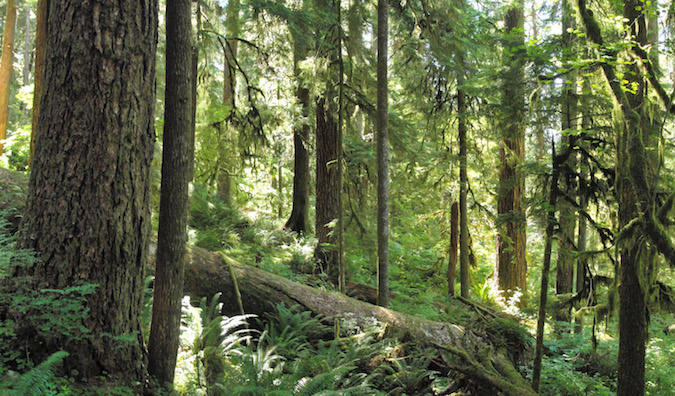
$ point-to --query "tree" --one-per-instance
(6, 65)
(452, 255)
(88, 207)
(511, 267)
(640, 214)
(463, 187)
(564, 279)
(38, 74)
(327, 168)
(382, 156)
(299, 218)
(230, 46)
(177, 158)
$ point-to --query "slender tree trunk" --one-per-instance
(581, 245)
(463, 187)
(6, 65)
(299, 219)
(88, 206)
(177, 158)
(229, 90)
(452, 253)
(543, 292)
(511, 267)
(382, 155)
(342, 269)
(27, 47)
(38, 75)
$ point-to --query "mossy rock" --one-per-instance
(13, 192)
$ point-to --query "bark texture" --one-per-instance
(261, 291)
(326, 191)
(39, 74)
(299, 218)
(177, 159)
(511, 267)
(6, 65)
(88, 210)
(564, 279)
(452, 254)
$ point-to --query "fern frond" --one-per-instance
(35, 381)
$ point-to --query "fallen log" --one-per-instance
(464, 351)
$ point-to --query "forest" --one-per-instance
(320, 197)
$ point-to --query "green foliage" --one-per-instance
(289, 357)
(38, 380)
(54, 316)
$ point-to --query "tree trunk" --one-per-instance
(326, 191)
(261, 291)
(27, 47)
(452, 254)
(636, 174)
(38, 75)
(511, 267)
(177, 158)
(88, 210)
(464, 274)
(299, 219)
(564, 279)
(229, 92)
(6, 65)
(382, 156)
(546, 266)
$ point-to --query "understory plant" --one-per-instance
(290, 352)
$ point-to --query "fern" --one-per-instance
(36, 381)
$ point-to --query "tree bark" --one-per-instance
(38, 74)
(6, 65)
(326, 191)
(88, 207)
(299, 219)
(382, 155)
(564, 279)
(452, 254)
(177, 158)
(511, 267)
(261, 291)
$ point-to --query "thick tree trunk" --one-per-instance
(88, 210)
(511, 267)
(261, 291)
(382, 155)
(6, 65)
(299, 219)
(326, 191)
(564, 279)
(38, 75)
(177, 159)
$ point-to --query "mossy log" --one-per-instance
(473, 356)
